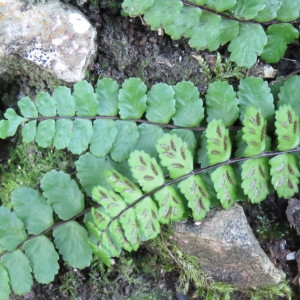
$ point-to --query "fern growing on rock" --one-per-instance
(146, 158)
(251, 28)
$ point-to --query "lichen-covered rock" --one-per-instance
(54, 36)
(227, 250)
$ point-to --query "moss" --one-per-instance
(26, 165)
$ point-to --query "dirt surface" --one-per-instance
(127, 48)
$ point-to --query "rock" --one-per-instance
(227, 250)
(54, 36)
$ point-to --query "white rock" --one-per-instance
(54, 36)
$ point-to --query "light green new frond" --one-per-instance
(145, 170)
(285, 175)
(160, 103)
(135, 8)
(85, 99)
(287, 128)
(156, 15)
(9, 126)
(218, 142)
(27, 108)
(249, 43)
(174, 155)
(221, 103)
(254, 131)
(225, 185)
(189, 105)
(255, 179)
(132, 98)
(279, 35)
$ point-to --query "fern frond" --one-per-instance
(211, 24)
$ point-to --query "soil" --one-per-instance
(128, 48)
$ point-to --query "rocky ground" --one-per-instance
(127, 48)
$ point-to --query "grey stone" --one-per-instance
(227, 250)
(54, 36)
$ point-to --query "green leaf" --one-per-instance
(194, 189)
(289, 10)
(255, 178)
(63, 133)
(171, 205)
(135, 8)
(218, 142)
(269, 12)
(107, 92)
(65, 103)
(85, 99)
(45, 133)
(206, 34)
(107, 247)
(221, 103)
(4, 286)
(29, 132)
(145, 170)
(288, 90)
(148, 136)
(131, 228)
(189, 105)
(43, 258)
(63, 194)
(125, 141)
(32, 209)
(9, 127)
(225, 183)
(105, 132)
(249, 43)
(27, 108)
(156, 16)
(221, 5)
(71, 240)
(45, 104)
(254, 131)
(82, 135)
(187, 136)
(19, 271)
(12, 231)
(132, 99)
(175, 155)
(182, 25)
(112, 203)
(161, 103)
(255, 92)
(279, 35)
(128, 190)
(88, 171)
(229, 30)
(248, 9)
(285, 174)
(287, 128)
(147, 218)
